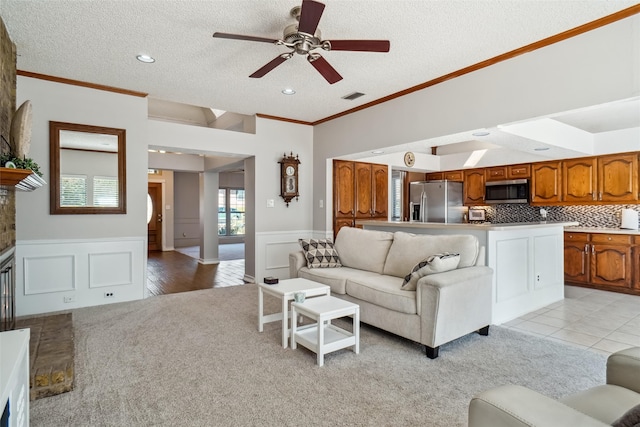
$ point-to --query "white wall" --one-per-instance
(600, 66)
(58, 256)
(186, 202)
(265, 226)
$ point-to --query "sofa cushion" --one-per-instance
(433, 264)
(409, 249)
(320, 253)
(383, 291)
(364, 249)
(335, 278)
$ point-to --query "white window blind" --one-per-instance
(73, 190)
(105, 191)
(396, 189)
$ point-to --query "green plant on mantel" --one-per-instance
(24, 163)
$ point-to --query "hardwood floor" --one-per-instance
(172, 272)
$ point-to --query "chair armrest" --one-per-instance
(296, 262)
(513, 405)
(623, 369)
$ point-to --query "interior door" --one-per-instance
(154, 224)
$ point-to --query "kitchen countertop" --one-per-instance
(579, 229)
(466, 226)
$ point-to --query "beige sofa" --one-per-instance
(444, 306)
(604, 405)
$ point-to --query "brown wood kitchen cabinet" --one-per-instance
(618, 178)
(360, 191)
(344, 199)
(501, 173)
(457, 176)
(546, 183)
(576, 257)
(600, 260)
(474, 187)
(371, 188)
(580, 180)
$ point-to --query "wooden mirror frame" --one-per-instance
(54, 161)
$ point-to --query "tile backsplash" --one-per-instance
(601, 216)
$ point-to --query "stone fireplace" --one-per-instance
(7, 193)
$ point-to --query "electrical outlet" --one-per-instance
(69, 299)
(109, 295)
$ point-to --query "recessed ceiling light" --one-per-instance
(145, 58)
(288, 91)
(481, 133)
(377, 152)
(541, 149)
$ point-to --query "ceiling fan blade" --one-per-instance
(241, 37)
(361, 45)
(310, 15)
(324, 68)
(270, 66)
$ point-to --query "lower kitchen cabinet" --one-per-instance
(604, 261)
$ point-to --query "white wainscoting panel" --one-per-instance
(110, 269)
(512, 268)
(56, 275)
(272, 252)
(38, 278)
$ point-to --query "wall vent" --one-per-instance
(353, 96)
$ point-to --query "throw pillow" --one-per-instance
(320, 253)
(433, 264)
(631, 418)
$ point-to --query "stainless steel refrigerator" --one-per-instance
(436, 201)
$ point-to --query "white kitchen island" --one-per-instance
(527, 259)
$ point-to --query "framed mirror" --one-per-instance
(88, 173)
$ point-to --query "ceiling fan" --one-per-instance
(304, 37)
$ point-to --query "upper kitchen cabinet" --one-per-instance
(379, 191)
(618, 178)
(474, 187)
(360, 191)
(344, 200)
(457, 176)
(501, 173)
(372, 189)
(580, 179)
(434, 176)
(546, 183)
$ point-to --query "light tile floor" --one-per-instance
(600, 321)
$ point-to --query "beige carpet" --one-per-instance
(197, 359)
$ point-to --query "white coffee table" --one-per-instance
(323, 337)
(284, 291)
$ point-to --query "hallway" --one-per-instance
(172, 272)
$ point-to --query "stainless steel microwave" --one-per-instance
(511, 191)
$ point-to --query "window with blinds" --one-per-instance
(105, 191)
(396, 196)
(73, 190)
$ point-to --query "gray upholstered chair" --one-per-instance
(513, 405)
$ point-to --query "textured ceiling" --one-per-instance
(97, 41)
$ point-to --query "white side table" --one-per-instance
(284, 291)
(323, 337)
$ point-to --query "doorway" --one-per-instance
(154, 216)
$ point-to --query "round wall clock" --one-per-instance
(409, 158)
(289, 178)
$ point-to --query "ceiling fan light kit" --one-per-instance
(304, 37)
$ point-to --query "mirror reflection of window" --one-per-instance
(94, 156)
(73, 190)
